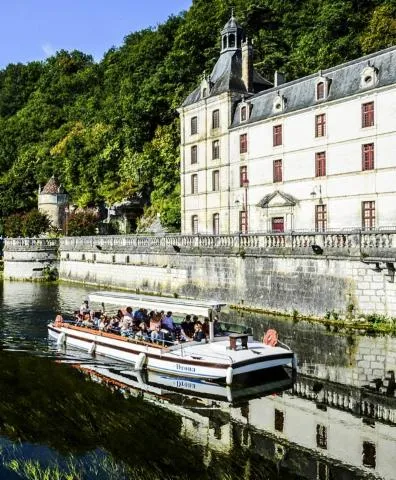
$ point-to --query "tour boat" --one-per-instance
(220, 359)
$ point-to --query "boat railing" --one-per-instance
(283, 345)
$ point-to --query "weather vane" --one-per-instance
(232, 10)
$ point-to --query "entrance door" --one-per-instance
(278, 224)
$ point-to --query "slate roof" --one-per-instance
(227, 76)
(345, 81)
(52, 187)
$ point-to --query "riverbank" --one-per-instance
(371, 323)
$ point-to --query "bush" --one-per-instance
(83, 223)
(31, 224)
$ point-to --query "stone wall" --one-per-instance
(30, 258)
(278, 272)
(236, 270)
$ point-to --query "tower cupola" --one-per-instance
(232, 35)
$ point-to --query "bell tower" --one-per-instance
(231, 35)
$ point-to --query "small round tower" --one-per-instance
(53, 200)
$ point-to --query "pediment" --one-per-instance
(277, 199)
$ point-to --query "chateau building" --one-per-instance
(317, 153)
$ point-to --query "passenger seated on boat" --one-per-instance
(104, 323)
(58, 319)
(217, 330)
(78, 318)
(155, 321)
(168, 322)
(87, 322)
(84, 308)
(143, 333)
(205, 326)
(198, 333)
(114, 326)
(126, 326)
(187, 328)
(156, 335)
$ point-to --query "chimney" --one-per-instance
(279, 78)
(247, 65)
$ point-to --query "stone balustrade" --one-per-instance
(372, 244)
(31, 244)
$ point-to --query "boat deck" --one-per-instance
(220, 349)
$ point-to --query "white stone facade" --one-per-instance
(342, 177)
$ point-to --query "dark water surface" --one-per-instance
(65, 415)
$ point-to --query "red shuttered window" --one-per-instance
(277, 135)
(368, 156)
(320, 125)
(367, 114)
(277, 171)
(320, 164)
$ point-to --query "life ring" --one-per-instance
(271, 337)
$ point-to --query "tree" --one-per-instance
(81, 223)
(31, 224)
(381, 30)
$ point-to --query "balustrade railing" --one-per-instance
(15, 244)
(378, 244)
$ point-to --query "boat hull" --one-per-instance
(196, 361)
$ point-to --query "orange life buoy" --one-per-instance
(271, 337)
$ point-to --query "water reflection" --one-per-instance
(336, 421)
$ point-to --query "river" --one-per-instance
(65, 415)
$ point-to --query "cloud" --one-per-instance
(48, 49)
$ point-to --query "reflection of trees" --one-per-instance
(53, 405)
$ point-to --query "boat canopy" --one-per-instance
(175, 305)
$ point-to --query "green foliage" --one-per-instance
(381, 30)
(110, 131)
(31, 224)
(82, 223)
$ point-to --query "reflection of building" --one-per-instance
(52, 200)
(318, 430)
(313, 153)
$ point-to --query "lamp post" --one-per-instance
(317, 189)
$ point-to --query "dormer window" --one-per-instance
(368, 77)
(322, 87)
(205, 87)
(243, 113)
(279, 103)
(320, 91)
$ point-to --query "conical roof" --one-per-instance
(53, 186)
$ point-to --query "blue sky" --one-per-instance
(35, 29)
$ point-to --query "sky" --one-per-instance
(36, 29)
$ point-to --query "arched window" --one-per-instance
(231, 41)
(216, 224)
(224, 43)
(194, 224)
(243, 114)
